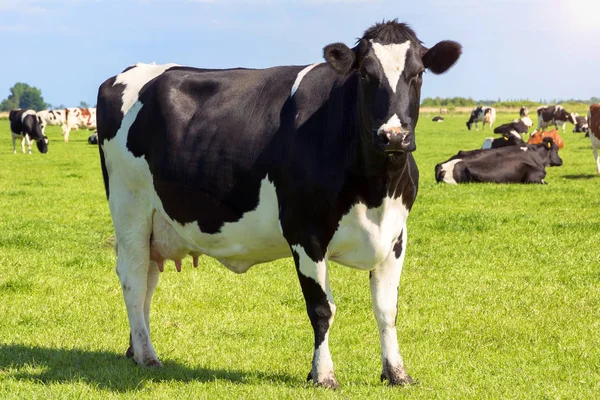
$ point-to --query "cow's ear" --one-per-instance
(340, 57)
(442, 56)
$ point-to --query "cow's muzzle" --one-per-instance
(397, 140)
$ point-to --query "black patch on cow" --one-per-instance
(390, 32)
(317, 304)
(398, 246)
(108, 111)
(517, 126)
(104, 173)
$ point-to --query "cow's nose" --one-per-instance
(396, 139)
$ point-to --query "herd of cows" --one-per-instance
(509, 159)
(323, 172)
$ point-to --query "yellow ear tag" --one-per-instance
(549, 144)
(505, 138)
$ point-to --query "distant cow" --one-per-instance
(24, 125)
(523, 112)
(507, 139)
(594, 131)
(518, 126)
(253, 165)
(485, 115)
(93, 139)
(554, 115)
(537, 137)
(513, 164)
(78, 118)
(437, 118)
(581, 124)
(50, 117)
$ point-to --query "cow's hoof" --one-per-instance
(153, 363)
(397, 379)
(129, 352)
(327, 383)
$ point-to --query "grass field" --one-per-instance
(499, 298)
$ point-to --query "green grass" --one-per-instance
(499, 296)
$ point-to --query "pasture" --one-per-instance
(499, 298)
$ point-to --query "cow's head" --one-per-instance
(571, 117)
(390, 61)
(42, 144)
(552, 148)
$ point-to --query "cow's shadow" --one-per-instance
(581, 176)
(113, 372)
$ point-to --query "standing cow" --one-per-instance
(24, 125)
(594, 131)
(78, 118)
(252, 165)
(50, 117)
(485, 115)
(554, 115)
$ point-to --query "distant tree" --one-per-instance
(83, 104)
(23, 96)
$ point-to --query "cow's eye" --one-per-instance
(420, 75)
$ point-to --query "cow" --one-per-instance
(78, 118)
(537, 137)
(523, 112)
(512, 164)
(516, 127)
(594, 131)
(93, 139)
(24, 125)
(581, 124)
(507, 139)
(554, 115)
(252, 165)
(438, 118)
(50, 117)
(485, 115)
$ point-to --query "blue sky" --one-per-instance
(515, 49)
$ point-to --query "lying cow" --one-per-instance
(513, 164)
(485, 115)
(438, 118)
(537, 137)
(554, 115)
(517, 127)
(507, 139)
(253, 165)
(594, 130)
(581, 124)
(24, 125)
(50, 117)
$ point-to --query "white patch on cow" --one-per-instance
(27, 113)
(515, 134)
(365, 236)
(523, 148)
(300, 76)
(393, 122)
(527, 121)
(595, 146)
(487, 143)
(135, 78)
(448, 168)
(392, 58)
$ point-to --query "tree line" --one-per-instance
(469, 102)
(29, 97)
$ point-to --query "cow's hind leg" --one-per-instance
(321, 310)
(384, 280)
(132, 219)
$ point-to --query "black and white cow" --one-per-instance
(512, 164)
(485, 115)
(523, 112)
(249, 166)
(554, 115)
(24, 125)
(517, 127)
(507, 139)
(50, 117)
(581, 124)
(438, 118)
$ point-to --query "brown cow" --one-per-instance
(537, 137)
(594, 131)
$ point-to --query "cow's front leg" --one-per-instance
(384, 280)
(321, 310)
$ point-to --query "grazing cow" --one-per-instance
(554, 115)
(485, 115)
(252, 165)
(507, 139)
(523, 112)
(77, 118)
(50, 117)
(24, 125)
(581, 124)
(437, 118)
(537, 137)
(93, 139)
(513, 164)
(594, 131)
